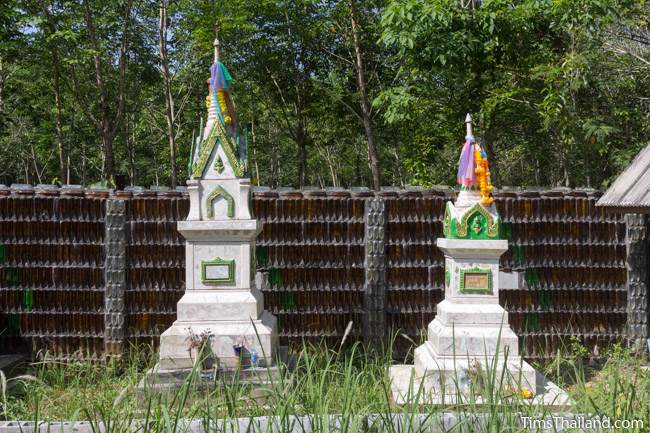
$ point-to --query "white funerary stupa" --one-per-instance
(470, 336)
(222, 309)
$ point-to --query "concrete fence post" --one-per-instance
(114, 276)
(374, 299)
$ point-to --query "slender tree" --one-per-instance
(2, 84)
(107, 122)
(373, 159)
(52, 43)
(170, 114)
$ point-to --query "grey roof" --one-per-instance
(631, 189)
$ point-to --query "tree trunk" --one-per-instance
(254, 152)
(167, 80)
(2, 86)
(34, 158)
(64, 175)
(373, 160)
(104, 115)
(301, 139)
(63, 172)
(107, 124)
(332, 166)
(130, 147)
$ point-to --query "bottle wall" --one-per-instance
(572, 256)
(51, 272)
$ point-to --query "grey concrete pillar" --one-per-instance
(374, 300)
(114, 275)
(637, 282)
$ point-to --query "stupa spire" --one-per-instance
(220, 129)
(468, 125)
(217, 49)
(473, 170)
(216, 43)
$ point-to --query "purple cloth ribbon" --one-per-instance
(466, 176)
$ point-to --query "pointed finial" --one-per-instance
(216, 43)
(217, 49)
(468, 124)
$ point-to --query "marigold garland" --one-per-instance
(221, 96)
(482, 171)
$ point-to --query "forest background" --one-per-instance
(330, 93)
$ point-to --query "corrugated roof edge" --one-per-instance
(633, 177)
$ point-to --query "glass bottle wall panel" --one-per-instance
(570, 253)
(51, 272)
(155, 263)
(312, 248)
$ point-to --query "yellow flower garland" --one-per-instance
(221, 97)
(483, 177)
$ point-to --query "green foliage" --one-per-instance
(559, 88)
(555, 102)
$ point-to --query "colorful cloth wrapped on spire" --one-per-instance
(466, 165)
(219, 86)
(474, 171)
(220, 76)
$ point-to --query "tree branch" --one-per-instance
(121, 97)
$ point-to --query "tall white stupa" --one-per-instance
(222, 306)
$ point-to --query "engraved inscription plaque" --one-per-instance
(476, 281)
(218, 271)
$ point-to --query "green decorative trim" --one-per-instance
(218, 165)
(476, 291)
(218, 261)
(492, 228)
(218, 191)
(476, 223)
(447, 277)
(446, 223)
(217, 135)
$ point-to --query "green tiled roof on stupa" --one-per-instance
(216, 136)
(475, 223)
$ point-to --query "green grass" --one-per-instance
(350, 383)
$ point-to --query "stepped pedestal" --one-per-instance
(470, 341)
(221, 302)
(470, 333)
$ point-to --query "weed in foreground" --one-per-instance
(350, 383)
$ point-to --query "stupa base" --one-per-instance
(409, 387)
(165, 380)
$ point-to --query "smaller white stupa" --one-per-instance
(470, 336)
